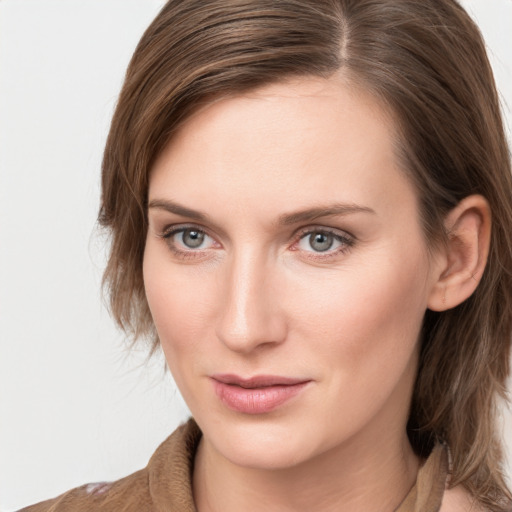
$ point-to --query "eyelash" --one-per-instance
(343, 238)
(347, 242)
(183, 254)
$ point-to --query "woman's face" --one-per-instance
(287, 274)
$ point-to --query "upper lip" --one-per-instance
(258, 381)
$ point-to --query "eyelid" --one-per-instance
(182, 252)
(343, 236)
(162, 220)
(172, 229)
(346, 238)
(342, 233)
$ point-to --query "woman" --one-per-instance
(300, 196)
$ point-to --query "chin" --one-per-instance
(263, 444)
(267, 455)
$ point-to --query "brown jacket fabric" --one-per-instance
(165, 484)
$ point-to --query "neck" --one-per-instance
(359, 475)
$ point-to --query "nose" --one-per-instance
(251, 314)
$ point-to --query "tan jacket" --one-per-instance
(165, 484)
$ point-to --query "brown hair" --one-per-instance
(426, 61)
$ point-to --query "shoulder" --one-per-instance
(131, 492)
(166, 479)
(458, 499)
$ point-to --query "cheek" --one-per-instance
(369, 317)
(363, 315)
(179, 299)
(173, 304)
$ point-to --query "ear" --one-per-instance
(462, 261)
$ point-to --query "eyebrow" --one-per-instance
(286, 219)
(323, 211)
(172, 207)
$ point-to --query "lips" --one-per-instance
(256, 395)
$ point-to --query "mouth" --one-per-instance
(256, 395)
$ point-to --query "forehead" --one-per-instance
(290, 109)
(290, 142)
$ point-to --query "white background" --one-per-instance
(75, 407)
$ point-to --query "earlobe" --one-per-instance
(468, 227)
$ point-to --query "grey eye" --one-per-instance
(321, 242)
(192, 238)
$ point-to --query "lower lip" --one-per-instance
(256, 400)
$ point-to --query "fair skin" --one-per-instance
(284, 240)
